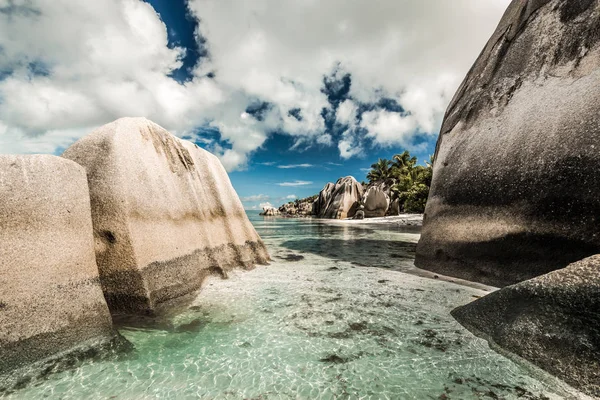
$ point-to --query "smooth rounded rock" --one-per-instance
(551, 320)
(165, 215)
(376, 203)
(341, 200)
(51, 302)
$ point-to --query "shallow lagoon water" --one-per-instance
(332, 317)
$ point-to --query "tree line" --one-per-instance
(408, 182)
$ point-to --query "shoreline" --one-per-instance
(395, 220)
(404, 219)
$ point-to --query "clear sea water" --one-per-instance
(339, 314)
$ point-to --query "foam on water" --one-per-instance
(332, 317)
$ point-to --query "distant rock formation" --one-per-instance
(375, 203)
(50, 296)
(299, 207)
(339, 201)
(516, 187)
(551, 320)
(270, 212)
(164, 213)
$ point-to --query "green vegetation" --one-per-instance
(408, 181)
(310, 199)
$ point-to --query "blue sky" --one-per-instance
(289, 95)
(278, 172)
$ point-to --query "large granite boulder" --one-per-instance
(375, 202)
(552, 321)
(341, 200)
(51, 302)
(165, 215)
(516, 188)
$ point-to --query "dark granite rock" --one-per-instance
(552, 320)
(516, 185)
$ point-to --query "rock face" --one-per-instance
(270, 212)
(360, 214)
(375, 202)
(551, 320)
(50, 296)
(515, 186)
(341, 200)
(298, 208)
(320, 204)
(164, 212)
(394, 208)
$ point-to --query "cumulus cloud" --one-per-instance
(295, 183)
(347, 113)
(74, 65)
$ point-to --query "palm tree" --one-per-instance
(403, 164)
(381, 170)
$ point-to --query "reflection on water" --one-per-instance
(315, 324)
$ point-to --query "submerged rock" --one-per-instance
(341, 200)
(51, 302)
(515, 185)
(551, 320)
(165, 214)
(375, 202)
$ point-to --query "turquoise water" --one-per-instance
(331, 318)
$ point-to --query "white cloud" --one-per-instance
(347, 113)
(295, 183)
(389, 128)
(325, 139)
(111, 59)
(257, 197)
(349, 146)
(291, 197)
(292, 166)
(265, 205)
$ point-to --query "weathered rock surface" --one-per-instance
(516, 185)
(552, 321)
(164, 212)
(320, 204)
(394, 208)
(341, 200)
(375, 202)
(360, 214)
(298, 208)
(50, 296)
(270, 212)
